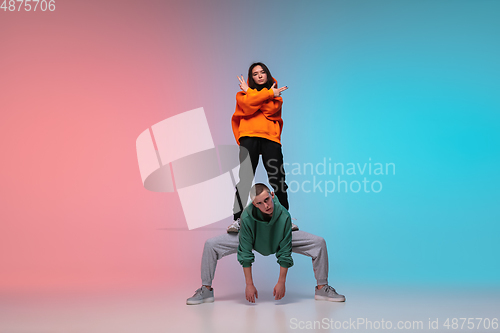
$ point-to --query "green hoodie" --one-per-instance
(265, 237)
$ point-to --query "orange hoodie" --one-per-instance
(258, 114)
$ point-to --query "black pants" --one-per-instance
(272, 157)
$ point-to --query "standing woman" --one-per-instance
(257, 127)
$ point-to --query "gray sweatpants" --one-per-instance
(302, 242)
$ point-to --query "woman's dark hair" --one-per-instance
(251, 82)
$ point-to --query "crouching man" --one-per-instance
(266, 227)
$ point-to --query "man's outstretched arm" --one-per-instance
(250, 290)
(279, 289)
(246, 257)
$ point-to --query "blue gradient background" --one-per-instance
(414, 83)
(407, 82)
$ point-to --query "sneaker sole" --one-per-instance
(205, 300)
(324, 298)
(232, 231)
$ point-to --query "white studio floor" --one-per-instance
(166, 311)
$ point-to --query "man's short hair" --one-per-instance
(258, 189)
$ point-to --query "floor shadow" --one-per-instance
(266, 297)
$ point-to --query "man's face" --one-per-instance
(264, 202)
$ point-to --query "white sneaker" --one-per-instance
(328, 293)
(202, 295)
(234, 228)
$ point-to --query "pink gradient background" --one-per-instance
(78, 86)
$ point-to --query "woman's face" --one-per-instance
(258, 75)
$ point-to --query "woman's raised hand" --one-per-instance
(277, 91)
(243, 84)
